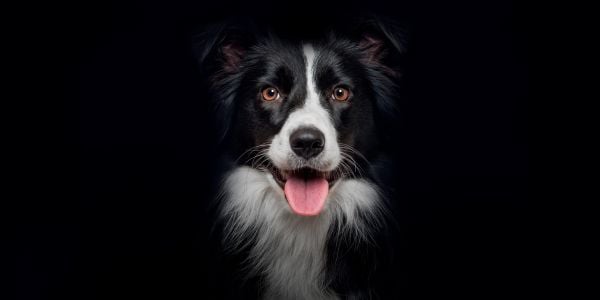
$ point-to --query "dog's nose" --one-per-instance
(307, 142)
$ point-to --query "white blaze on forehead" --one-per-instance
(312, 97)
(310, 114)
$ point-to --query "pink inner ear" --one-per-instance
(232, 56)
(372, 47)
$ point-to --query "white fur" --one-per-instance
(312, 114)
(288, 249)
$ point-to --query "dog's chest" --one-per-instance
(288, 250)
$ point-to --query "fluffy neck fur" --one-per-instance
(287, 249)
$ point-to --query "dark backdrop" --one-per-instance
(121, 211)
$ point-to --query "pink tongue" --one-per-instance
(306, 196)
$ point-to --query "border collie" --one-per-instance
(302, 124)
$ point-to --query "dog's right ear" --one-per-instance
(220, 51)
(221, 48)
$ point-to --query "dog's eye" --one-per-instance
(270, 94)
(340, 94)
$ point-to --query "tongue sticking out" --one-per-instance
(306, 196)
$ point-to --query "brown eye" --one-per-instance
(340, 94)
(270, 94)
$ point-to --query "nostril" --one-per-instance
(317, 144)
(307, 142)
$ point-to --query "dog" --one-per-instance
(302, 124)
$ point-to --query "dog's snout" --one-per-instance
(307, 142)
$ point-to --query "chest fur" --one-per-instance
(288, 250)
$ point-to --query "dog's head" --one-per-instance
(307, 113)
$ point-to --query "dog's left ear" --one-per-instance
(381, 42)
(381, 46)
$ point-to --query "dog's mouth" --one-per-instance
(305, 189)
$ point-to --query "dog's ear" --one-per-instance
(220, 49)
(381, 42)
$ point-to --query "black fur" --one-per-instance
(239, 59)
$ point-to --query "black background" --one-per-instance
(126, 179)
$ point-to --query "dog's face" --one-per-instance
(306, 107)
(303, 113)
(302, 120)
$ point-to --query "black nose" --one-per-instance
(307, 142)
